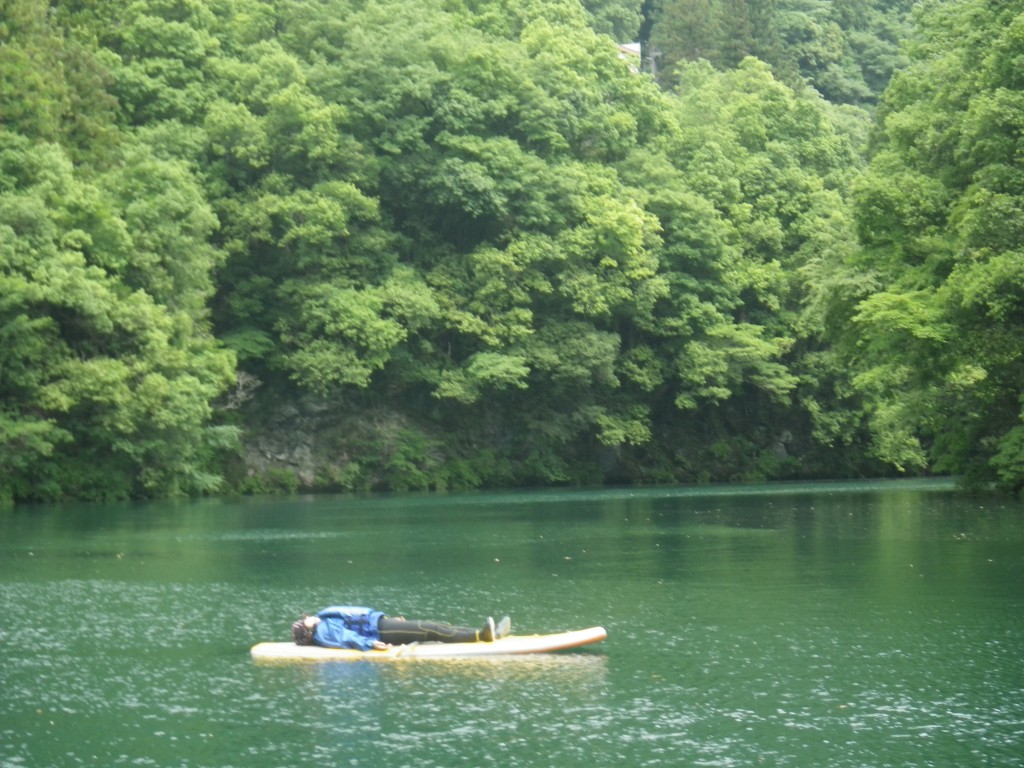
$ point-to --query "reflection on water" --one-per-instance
(821, 624)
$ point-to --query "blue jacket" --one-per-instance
(345, 626)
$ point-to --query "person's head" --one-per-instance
(302, 630)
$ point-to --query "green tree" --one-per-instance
(163, 51)
(750, 201)
(845, 49)
(618, 18)
(936, 336)
(106, 377)
(521, 257)
(51, 87)
(465, 237)
(466, 251)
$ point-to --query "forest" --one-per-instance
(257, 246)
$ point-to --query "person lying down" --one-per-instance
(365, 629)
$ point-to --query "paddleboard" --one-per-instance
(512, 645)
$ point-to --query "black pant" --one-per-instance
(405, 631)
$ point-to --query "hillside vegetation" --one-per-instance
(385, 244)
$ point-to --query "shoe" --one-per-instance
(504, 627)
(487, 634)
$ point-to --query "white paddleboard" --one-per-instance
(511, 645)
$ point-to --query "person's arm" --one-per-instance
(345, 612)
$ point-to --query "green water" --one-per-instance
(815, 625)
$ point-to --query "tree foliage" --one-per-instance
(108, 369)
(846, 49)
(455, 243)
(936, 339)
